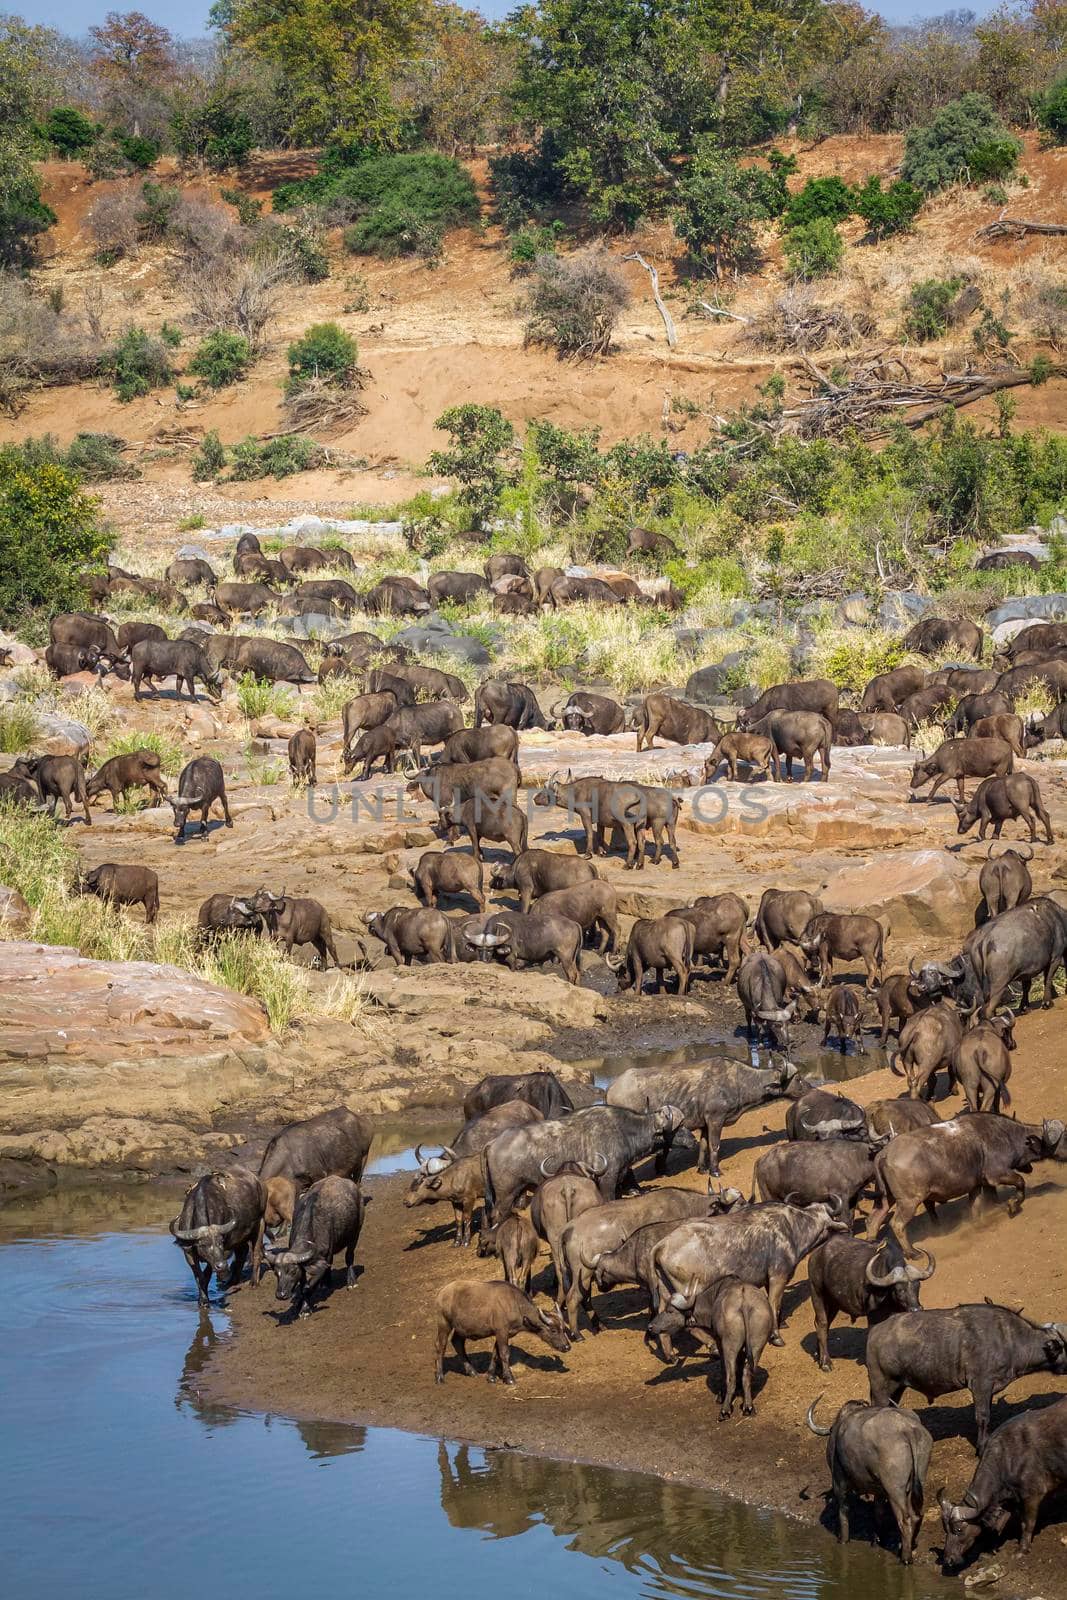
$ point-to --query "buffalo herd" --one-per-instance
(709, 1266)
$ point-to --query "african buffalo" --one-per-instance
(1000, 800)
(822, 1114)
(448, 872)
(394, 597)
(981, 1065)
(222, 1215)
(862, 1280)
(592, 714)
(834, 1170)
(602, 1229)
(932, 635)
(799, 735)
(889, 689)
(200, 784)
(880, 1451)
(783, 915)
(718, 922)
(57, 778)
(537, 872)
(633, 809)
(124, 886)
(328, 1218)
(407, 933)
(761, 988)
(540, 1089)
(957, 759)
(513, 704)
(179, 659)
(333, 1142)
(529, 939)
(656, 944)
(1023, 1462)
(1004, 881)
(138, 769)
(756, 751)
(470, 1308)
(301, 751)
(710, 1095)
(673, 720)
(816, 694)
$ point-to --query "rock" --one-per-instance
(899, 608)
(20, 655)
(15, 915)
(60, 736)
(1029, 607)
(853, 611)
(1005, 631)
(192, 552)
(200, 725)
(462, 648)
(927, 892)
(434, 621)
(274, 728)
(312, 625)
(8, 691)
(706, 682)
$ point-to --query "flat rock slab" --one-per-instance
(929, 892)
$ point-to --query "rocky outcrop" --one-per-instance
(921, 892)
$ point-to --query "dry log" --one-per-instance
(1018, 228)
(653, 278)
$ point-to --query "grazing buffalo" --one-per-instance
(605, 1139)
(880, 1451)
(139, 769)
(537, 872)
(496, 742)
(951, 1160)
(1000, 800)
(783, 915)
(934, 635)
(270, 659)
(982, 1063)
(925, 704)
(817, 695)
(709, 1095)
(1049, 675)
(328, 1219)
(887, 1118)
(407, 933)
(246, 598)
(470, 1308)
(1016, 947)
(542, 1090)
(200, 784)
(62, 660)
(1004, 881)
(222, 1216)
(656, 944)
(427, 724)
(431, 683)
(834, 1170)
(758, 1244)
(396, 597)
(889, 690)
(81, 630)
(179, 659)
(57, 778)
(227, 913)
(862, 1280)
(335, 1142)
(1023, 1462)
(831, 936)
(377, 744)
(458, 587)
(185, 572)
(503, 566)
(320, 592)
(673, 720)
(512, 704)
(801, 735)
(514, 1243)
(592, 714)
(294, 920)
(755, 751)
(450, 873)
(958, 759)
(983, 1348)
(761, 988)
(497, 821)
(718, 922)
(124, 886)
(301, 750)
(843, 1018)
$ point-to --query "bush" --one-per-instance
(722, 202)
(239, 295)
(69, 131)
(171, 755)
(140, 152)
(92, 457)
(964, 131)
(249, 211)
(887, 211)
(49, 532)
(813, 250)
(273, 458)
(137, 363)
(820, 197)
(531, 241)
(23, 215)
(480, 436)
(524, 182)
(402, 203)
(217, 132)
(155, 214)
(18, 729)
(1052, 112)
(210, 459)
(114, 222)
(575, 302)
(259, 697)
(221, 359)
(927, 308)
(325, 352)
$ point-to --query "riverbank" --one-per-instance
(367, 1355)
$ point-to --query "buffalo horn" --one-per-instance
(1053, 1130)
(895, 1275)
(828, 1128)
(599, 1164)
(911, 967)
(545, 1174)
(920, 1274)
(812, 1424)
(1019, 848)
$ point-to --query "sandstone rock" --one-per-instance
(853, 611)
(15, 915)
(927, 892)
(20, 655)
(706, 682)
(60, 736)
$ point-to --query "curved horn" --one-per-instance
(793, 1199)
(419, 1157)
(895, 1275)
(599, 1163)
(920, 1274)
(831, 1126)
(812, 1424)
(1019, 848)
(545, 1174)
(183, 1235)
(911, 967)
(299, 1258)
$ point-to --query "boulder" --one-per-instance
(60, 736)
(900, 608)
(192, 552)
(706, 683)
(854, 611)
(15, 915)
(462, 648)
(1029, 608)
(312, 625)
(19, 654)
(422, 638)
(928, 892)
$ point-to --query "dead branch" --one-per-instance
(653, 277)
(717, 311)
(1017, 228)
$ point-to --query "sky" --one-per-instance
(187, 19)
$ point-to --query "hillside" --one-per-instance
(430, 338)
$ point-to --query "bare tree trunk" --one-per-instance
(668, 320)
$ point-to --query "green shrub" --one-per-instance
(140, 152)
(92, 457)
(18, 729)
(401, 203)
(137, 364)
(171, 755)
(820, 197)
(927, 308)
(155, 213)
(23, 215)
(887, 211)
(69, 130)
(942, 152)
(221, 359)
(721, 203)
(171, 335)
(813, 250)
(49, 531)
(324, 351)
(391, 231)
(481, 437)
(273, 458)
(531, 241)
(1052, 112)
(217, 131)
(249, 210)
(210, 458)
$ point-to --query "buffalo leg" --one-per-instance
(350, 1267)
(257, 1256)
(713, 1136)
(240, 1256)
(1016, 1181)
(1050, 985)
(459, 1345)
(823, 1321)
(899, 1225)
(841, 1502)
(776, 1287)
(1028, 1515)
(202, 1275)
(983, 1409)
(441, 1343)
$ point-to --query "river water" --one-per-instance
(119, 1480)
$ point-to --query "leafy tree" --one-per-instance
(1052, 112)
(215, 130)
(339, 58)
(49, 531)
(813, 250)
(324, 351)
(480, 438)
(887, 211)
(460, 83)
(69, 130)
(721, 204)
(966, 130)
(23, 214)
(820, 197)
(928, 305)
(130, 49)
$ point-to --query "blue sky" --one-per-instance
(188, 19)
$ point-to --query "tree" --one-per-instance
(721, 203)
(480, 437)
(134, 60)
(967, 132)
(459, 84)
(49, 531)
(340, 59)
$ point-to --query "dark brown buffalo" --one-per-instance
(514, 1243)
(481, 744)
(803, 1171)
(62, 660)
(644, 541)
(718, 922)
(798, 735)
(470, 1308)
(1000, 800)
(187, 571)
(592, 905)
(843, 1018)
(632, 809)
(529, 940)
(537, 872)
(513, 704)
(593, 714)
(923, 706)
(327, 1219)
(674, 720)
(1004, 881)
(124, 886)
(502, 566)
(563, 1195)
(973, 708)
(497, 821)
(659, 945)
(1052, 675)
(394, 597)
(459, 587)
(334, 1142)
(815, 694)
(271, 659)
(879, 1451)
(302, 751)
(383, 681)
(1006, 726)
(179, 659)
(982, 1063)
(1038, 636)
(862, 1280)
(293, 920)
(887, 728)
(1024, 1461)
(448, 872)
(541, 1089)
(822, 1114)
(222, 1215)
(363, 712)
(428, 724)
(82, 630)
(832, 936)
(958, 759)
(896, 1001)
(318, 592)
(307, 558)
(754, 750)
(887, 1118)
(200, 783)
(377, 744)
(928, 1043)
(57, 778)
(227, 913)
(447, 784)
(247, 599)
(408, 933)
(783, 915)
(132, 633)
(934, 635)
(889, 689)
(458, 1182)
(431, 683)
(564, 591)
